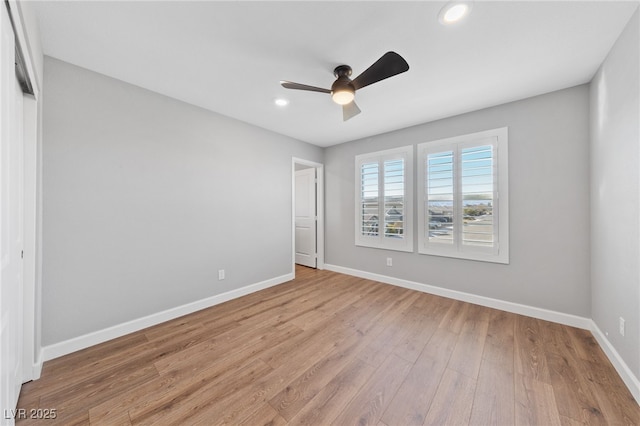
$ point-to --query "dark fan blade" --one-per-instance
(350, 110)
(298, 86)
(388, 65)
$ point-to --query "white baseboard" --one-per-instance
(621, 367)
(36, 368)
(517, 308)
(33, 371)
(81, 342)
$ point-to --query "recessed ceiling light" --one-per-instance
(281, 102)
(454, 11)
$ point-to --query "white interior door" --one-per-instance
(305, 209)
(11, 223)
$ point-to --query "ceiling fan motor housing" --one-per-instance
(342, 71)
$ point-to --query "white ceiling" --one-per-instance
(229, 57)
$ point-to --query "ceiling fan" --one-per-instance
(343, 89)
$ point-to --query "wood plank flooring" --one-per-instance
(330, 349)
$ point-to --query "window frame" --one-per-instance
(498, 139)
(379, 241)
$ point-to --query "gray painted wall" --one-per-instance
(549, 206)
(615, 192)
(146, 197)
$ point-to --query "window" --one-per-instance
(463, 197)
(383, 199)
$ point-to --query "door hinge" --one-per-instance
(21, 254)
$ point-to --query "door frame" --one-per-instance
(32, 202)
(319, 211)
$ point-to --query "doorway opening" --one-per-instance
(307, 214)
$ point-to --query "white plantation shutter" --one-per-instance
(369, 205)
(383, 199)
(477, 177)
(439, 202)
(463, 194)
(394, 196)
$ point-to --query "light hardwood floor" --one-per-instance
(329, 349)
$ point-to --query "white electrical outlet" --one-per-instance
(621, 325)
(220, 274)
(389, 261)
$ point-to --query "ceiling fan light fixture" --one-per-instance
(454, 11)
(343, 95)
